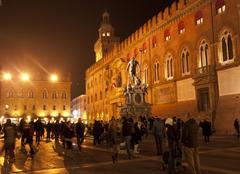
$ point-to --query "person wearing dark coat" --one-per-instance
(190, 142)
(172, 144)
(127, 132)
(237, 127)
(68, 134)
(10, 134)
(38, 128)
(206, 130)
(80, 129)
(136, 138)
(158, 131)
(49, 129)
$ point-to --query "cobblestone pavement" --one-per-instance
(220, 156)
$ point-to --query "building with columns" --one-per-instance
(189, 56)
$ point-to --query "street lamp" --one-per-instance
(54, 77)
(25, 77)
(7, 76)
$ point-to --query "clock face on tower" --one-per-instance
(138, 98)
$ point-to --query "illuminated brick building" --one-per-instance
(189, 56)
(35, 96)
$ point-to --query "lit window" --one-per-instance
(226, 47)
(156, 72)
(169, 67)
(64, 96)
(44, 94)
(108, 34)
(220, 6)
(54, 95)
(103, 34)
(185, 62)
(199, 18)
(144, 48)
(30, 94)
(167, 36)
(154, 42)
(203, 54)
(181, 27)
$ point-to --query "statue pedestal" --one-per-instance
(135, 104)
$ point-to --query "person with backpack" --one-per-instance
(158, 131)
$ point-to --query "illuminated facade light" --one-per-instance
(25, 77)
(7, 76)
(54, 78)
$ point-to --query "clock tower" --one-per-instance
(106, 38)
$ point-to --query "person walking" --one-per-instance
(190, 143)
(206, 130)
(136, 138)
(38, 128)
(112, 139)
(172, 144)
(127, 131)
(237, 127)
(28, 133)
(158, 129)
(48, 129)
(10, 134)
(79, 130)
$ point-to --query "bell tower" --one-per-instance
(106, 38)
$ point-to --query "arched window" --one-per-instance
(30, 94)
(10, 94)
(220, 6)
(145, 75)
(156, 70)
(169, 67)
(203, 54)
(64, 95)
(185, 62)
(95, 97)
(100, 95)
(44, 94)
(227, 47)
(54, 95)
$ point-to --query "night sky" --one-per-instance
(59, 35)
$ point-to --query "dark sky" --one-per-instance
(58, 35)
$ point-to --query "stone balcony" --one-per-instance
(204, 75)
(204, 71)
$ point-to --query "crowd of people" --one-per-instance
(126, 133)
